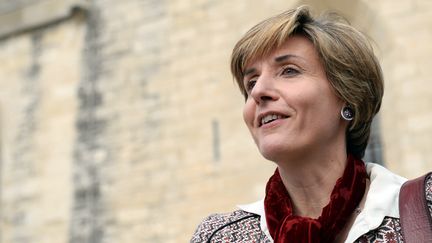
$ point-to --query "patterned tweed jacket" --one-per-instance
(243, 226)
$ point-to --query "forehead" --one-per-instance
(295, 47)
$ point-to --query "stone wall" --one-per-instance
(120, 121)
(40, 71)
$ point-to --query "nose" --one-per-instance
(264, 90)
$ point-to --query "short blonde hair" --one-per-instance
(346, 54)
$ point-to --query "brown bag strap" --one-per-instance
(415, 218)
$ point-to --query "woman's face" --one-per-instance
(291, 109)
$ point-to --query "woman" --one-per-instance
(312, 87)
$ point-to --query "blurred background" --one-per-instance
(120, 121)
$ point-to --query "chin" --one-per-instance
(283, 151)
(273, 152)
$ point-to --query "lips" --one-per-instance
(269, 117)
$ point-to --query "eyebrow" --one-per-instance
(249, 71)
(278, 59)
(285, 57)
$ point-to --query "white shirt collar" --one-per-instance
(382, 200)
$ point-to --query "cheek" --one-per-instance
(325, 114)
(248, 114)
(324, 101)
(317, 109)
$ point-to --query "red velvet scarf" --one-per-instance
(345, 197)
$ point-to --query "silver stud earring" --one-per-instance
(347, 113)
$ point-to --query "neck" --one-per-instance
(311, 179)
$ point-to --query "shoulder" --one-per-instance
(391, 229)
(380, 213)
(383, 175)
(235, 226)
(428, 192)
(382, 198)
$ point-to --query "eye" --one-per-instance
(289, 71)
(250, 84)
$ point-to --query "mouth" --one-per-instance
(269, 118)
